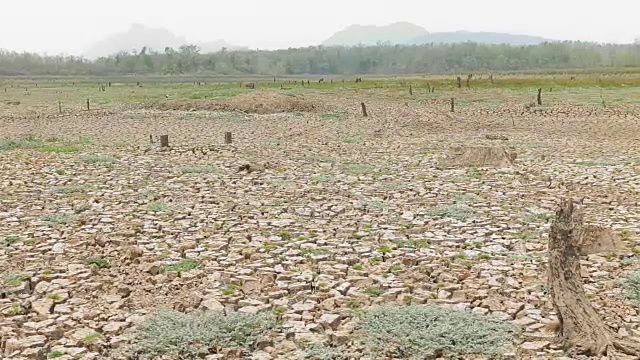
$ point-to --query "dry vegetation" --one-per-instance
(321, 234)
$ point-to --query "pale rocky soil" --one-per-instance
(328, 192)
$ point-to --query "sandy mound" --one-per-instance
(259, 102)
(599, 240)
(478, 156)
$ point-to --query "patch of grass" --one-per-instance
(59, 218)
(374, 291)
(99, 262)
(229, 290)
(411, 332)
(55, 354)
(279, 310)
(375, 205)
(54, 297)
(60, 172)
(539, 217)
(193, 335)
(60, 148)
(412, 244)
(458, 212)
(330, 117)
(317, 351)
(91, 338)
(353, 140)
(313, 252)
(358, 267)
(385, 249)
(159, 206)
(99, 159)
(16, 309)
(10, 240)
(199, 170)
(68, 189)
(181, 266)
(597, 163)
(526, 236)
(31, 142)
(358, 169)
(285, 235)
(322, 178)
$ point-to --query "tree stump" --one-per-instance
(227, 138)
(364, 109)
(453, 104)
(164, 141)
(459, 82)
(580, 328)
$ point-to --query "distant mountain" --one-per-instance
(404, 33)
(139, 36)
(478, 37)
(396, 33)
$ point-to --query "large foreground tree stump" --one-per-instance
(581, 328)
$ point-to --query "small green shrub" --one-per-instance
(411, 332)
(68, 189)
(631, 286)
(10, 240)
(189, 336)
(58, 218)
(99, 262)
(181, 266)
(317, 351)
(98, 159)
(358, 169)
(55, 354)
(32, 142)
(159, 206)
(458, 212)
(374, 291)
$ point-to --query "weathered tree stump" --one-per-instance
(87, 104)
(150, 138)
(364, 109)
(469, 80)
(453, 105)
(410, 90)
(164, 141)
(227, 138)
(59, 107)
(459, 83)
(580, 328)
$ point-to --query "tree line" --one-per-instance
(321, 60)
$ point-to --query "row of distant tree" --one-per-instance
(441, 58)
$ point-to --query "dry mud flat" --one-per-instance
(312, 215)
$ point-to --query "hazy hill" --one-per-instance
(139, 36)
(404, 33)
(478, 37)
(397, 33)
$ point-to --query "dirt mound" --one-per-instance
(259, 102)
(478, 156)
(599, 240)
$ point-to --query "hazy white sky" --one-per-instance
(72, 25)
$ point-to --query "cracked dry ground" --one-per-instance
(339, 212)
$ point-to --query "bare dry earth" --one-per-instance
(328, 191)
